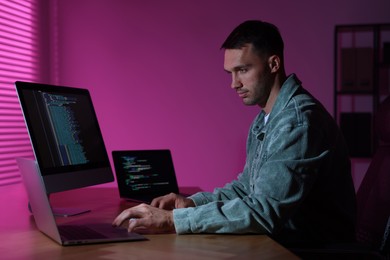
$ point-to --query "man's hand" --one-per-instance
(146, 216)
(172, 201)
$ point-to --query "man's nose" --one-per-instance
(236, 83)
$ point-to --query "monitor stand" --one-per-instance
(69, 212)
(64, 212)
(31, 167)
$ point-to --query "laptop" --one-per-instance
(143, 175)
(65, 234)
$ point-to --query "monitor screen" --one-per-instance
(65, 135)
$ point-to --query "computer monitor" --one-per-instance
(65, 136)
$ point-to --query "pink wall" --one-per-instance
(155, 70)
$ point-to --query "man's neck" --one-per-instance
(279, 80)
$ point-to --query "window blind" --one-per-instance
(19, 48)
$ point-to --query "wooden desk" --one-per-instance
(21, 240)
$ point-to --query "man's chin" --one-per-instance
(248, 102)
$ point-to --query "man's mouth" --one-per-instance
(242, 94)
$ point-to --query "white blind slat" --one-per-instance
(18, 56)
(24, 143)
(15, 137)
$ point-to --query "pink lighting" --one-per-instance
(155, 70)
(20, 9)
(18, 61)
(156, 75)
(23, 45)
(15, 56)
(20, 29)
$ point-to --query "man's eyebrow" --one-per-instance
(237, 68)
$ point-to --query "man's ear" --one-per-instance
(274, 63)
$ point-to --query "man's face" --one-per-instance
(251, 76)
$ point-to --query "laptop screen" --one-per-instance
(144, 174)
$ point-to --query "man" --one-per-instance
(296, 185)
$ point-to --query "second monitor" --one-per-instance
(65, 135)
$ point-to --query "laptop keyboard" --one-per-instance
(79, 232)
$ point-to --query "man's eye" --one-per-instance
(243, 70)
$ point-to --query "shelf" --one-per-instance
(361, 79)
(354, 92)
